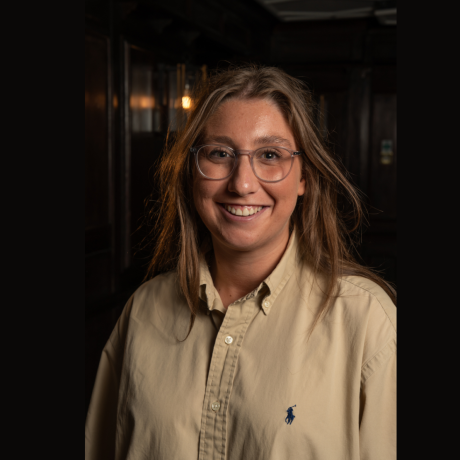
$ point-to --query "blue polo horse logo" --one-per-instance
(290, 418)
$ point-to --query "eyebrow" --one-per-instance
(262, 141)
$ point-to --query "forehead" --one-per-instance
(249, 121)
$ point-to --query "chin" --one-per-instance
(240, 241)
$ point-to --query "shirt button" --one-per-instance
(266, 304)
(229, 340)
(215, 406)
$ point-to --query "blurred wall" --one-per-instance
(140, 58)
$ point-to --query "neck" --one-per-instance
(237, 273)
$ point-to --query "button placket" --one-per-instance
(210, 412)
(248, 312)
(215, 406)
(223, 365)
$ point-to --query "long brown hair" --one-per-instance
(325, 230)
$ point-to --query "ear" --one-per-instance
(302, 185)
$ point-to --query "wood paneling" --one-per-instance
(382, 177)
(335, 121)
(320, 41)
(379, 248)
(98, 196)
(357, 126)
(379, 251)
(145, 146)
(381, 46)
(98, 275)
(145, 153)
(384, 79)
(96, 132)
(98, 239)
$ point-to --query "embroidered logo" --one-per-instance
(290, 418)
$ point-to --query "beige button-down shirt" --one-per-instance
(247, 383)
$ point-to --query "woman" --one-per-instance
(258, 335)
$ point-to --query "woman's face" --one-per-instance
(248, 125)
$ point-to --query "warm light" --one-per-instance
(186, 102)
(147, 102)
(142, 102)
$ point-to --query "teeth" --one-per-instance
(246, 212)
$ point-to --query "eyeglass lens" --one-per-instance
(270, 163)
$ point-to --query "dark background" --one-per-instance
(139, 56)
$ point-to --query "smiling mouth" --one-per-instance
(242, 211)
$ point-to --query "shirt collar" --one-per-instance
(275, 281)
(280, 275)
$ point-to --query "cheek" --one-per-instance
(287, 193)
(202, 192)
(285, 197)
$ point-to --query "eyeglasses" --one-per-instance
(270, 164)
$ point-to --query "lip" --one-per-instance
(233, 218)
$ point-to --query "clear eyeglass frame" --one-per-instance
(250, 154)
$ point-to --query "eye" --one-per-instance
(219, 154)
(270, 155)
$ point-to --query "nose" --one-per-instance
(243, 181)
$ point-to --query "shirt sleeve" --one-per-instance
(101, 421)
(378, 406)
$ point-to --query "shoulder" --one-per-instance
(162, 293)
(161, 288)
(370, 317)
(152, 302)
(371, 297)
